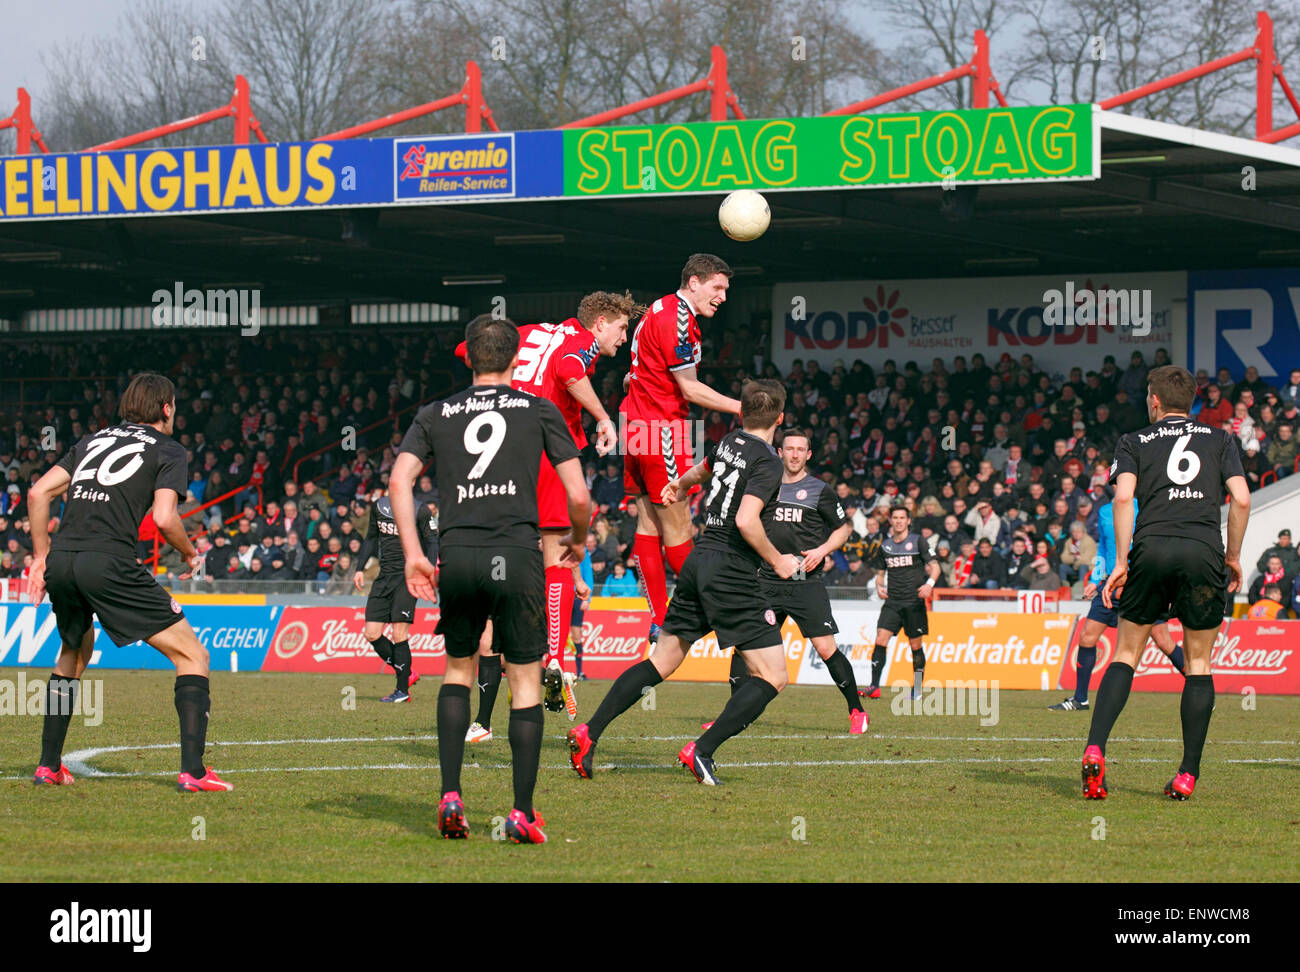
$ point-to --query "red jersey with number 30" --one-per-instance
(666, 340)
(551, 358)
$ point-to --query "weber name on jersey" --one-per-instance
(487, 443)
(115, 473)
(802, 517)
(381, 535)
(1181, 466)
(742, 465)
(904, 564)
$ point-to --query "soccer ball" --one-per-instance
(744, 215)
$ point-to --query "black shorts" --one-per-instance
(718, 592)
(130, 604)
(910, 616)
(1109, 616)
(806, 602)
(575, 616)
(389, 600)
(1175, 575)
(506, 584)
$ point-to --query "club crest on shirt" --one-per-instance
(802, 494)
(769, 616)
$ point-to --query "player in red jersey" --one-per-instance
(659, 447)
(556, 362)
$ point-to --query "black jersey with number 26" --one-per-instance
(1181, 467)
(488, 442)
(742, 465)
(904, 564)
(114, 475)
(804, 515)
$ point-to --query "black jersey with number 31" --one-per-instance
(114, 475)
(742, 465)
(488, 442)
(1181, 467)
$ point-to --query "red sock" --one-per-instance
(654, 582)
(559, 609)
(677, 555)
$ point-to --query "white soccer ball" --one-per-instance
(744, 215)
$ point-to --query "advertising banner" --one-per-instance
(857, 622)
(332, 639)
(921, 319)
(1018, 651)
(613, 636)
(1243, 318)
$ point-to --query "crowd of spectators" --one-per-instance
(1002, 467)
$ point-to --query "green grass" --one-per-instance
(1000, 803)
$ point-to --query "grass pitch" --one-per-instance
(327, 794)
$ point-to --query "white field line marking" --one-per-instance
(108, 774)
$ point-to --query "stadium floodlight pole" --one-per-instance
(21, 121)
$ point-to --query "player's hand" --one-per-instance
(606, 437)
(1234, 568)
(580, 589)
(422, 579)
(1115, 585)
(36, 581)
(1089, 591)
(358, 580)
(881, 592)
(573, 552)
(196, 563)
(925, 590)
(671, 493)
(812, 559)
(627, 382)
(787, 566)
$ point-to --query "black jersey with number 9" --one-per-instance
(1181, 467)
(742, 464)
(114, 475)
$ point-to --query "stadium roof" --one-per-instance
(1169, 198)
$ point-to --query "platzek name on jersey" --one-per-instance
(487, 489)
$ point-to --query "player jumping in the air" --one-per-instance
(389, 601)
(556, 362)
(1177, 469)
(717, 588)
(489, 441)
(661, 387)
(1100, 617)
(806, 520)
(903, 562)
(116, 476)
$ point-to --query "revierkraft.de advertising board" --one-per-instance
(1254, 654)
(1019, 651)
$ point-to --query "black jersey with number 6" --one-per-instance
(804, 515)
(904, 564)
(488, 441)
(742, 465)
(1181, 467)
(114, 475)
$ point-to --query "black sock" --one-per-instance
(489, 682)
(453, 723)
(878, 656)
(577, 657)
(193, 703)
(1196, 706)
(525, 754)
(402, 664)
(383, 648)
(1177, 659)
(1083, 672)
(622, 695)
(918, 659)
(60, 696)
(739, 671)
(841, 670)
(746, 705)
(1111, 696)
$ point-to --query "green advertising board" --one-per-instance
(1034, 143)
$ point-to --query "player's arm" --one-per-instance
(1122, 509)
(401, 493)
(368, 546)
(813, 558)
(680, 487)
(698, 393)
(750, 524)
(933, 573)
(169, 523)
(46, 490)
(1238, 514)
(585, 395)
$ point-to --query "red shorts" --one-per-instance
(552, 500)
(653, 458)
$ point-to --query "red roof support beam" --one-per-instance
(721, 97)
(21, 121)
(977, 68)
(470, 95)
(238, 108)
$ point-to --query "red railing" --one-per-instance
(470, 95)
(21, 121)
(977, 68)
(149, 531)
(239, 108)
(721, 97)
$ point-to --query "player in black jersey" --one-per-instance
(113, 478)
(806, 519)
(907, 579)
(389, 601)
(1177, 470)
(488, 443)
(718, 587)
